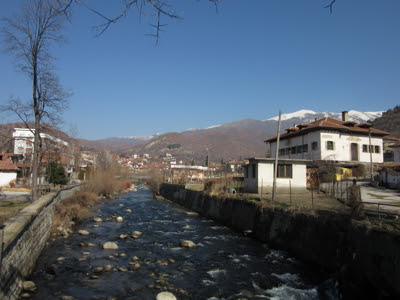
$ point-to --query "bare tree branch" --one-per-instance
(330, 5)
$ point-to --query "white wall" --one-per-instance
(265, 176)
(6, 177)
(342, 146)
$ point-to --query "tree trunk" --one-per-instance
(36, 110)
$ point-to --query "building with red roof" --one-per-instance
(331, 139)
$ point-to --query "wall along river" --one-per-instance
(224, 265)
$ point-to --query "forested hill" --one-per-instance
(389, 121)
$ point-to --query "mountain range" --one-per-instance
(234, 140)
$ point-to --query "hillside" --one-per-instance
(389, 121)
(234, 140)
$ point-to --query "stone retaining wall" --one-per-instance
(364, 259)
(25, 235)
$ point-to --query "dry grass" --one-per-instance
(74, 208)
(9, 209)
(20, 189)
(77, 207)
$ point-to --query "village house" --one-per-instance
(8, 171)
(291, 175)
(331, 139)
(396, 152)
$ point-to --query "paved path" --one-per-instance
(16, 196)
(376, 195)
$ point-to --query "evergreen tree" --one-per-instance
(55, 173)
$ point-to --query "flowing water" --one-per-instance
(224, 265)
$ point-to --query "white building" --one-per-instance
(8, 171)
(331, 139)
(291, 175)
(24, 138)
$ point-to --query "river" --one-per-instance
(224, 265)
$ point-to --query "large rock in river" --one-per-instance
(110, 246)
(187, 244)
(165, 296)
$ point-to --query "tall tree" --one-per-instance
(29, 37)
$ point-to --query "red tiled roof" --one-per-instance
(330, 124)
(6, 165)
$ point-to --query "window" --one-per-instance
(365, 148)
(299, 149)
(293, 150)
(371, 148)
(305, 148)
(330, 145)
(377, 149)
(284, 171)
(314, 145)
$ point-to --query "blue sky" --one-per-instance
(249, 60)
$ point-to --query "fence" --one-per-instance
(382, 214)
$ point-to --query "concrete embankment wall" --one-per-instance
(25, 235)
(365, 259)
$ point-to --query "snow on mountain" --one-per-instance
(297, 114)
(307, 116)
(140, 138)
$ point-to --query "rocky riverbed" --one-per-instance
(137, 247)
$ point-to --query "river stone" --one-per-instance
(91, 245)
(83, 232)
(137, 234)
(128, 210)
(165, 296)
(84, 258)
(61, 258)
(29, 286)
(108, 267)
(110, 246)
(98, 269)
(123, 236)
(135, 258)
(25, 296)
(136, 266)
(97, 219)
(187, 244)
(120, 219)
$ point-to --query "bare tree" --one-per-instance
(28, 37)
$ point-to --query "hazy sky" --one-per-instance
(249, 60)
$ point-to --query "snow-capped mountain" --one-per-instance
(308, 116)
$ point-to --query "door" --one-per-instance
(354, 151)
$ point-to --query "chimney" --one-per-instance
(345, 116)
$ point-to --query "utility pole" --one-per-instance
(276, 157)
(370, 153)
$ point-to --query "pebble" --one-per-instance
(165, 296)
(187, 244)
(29, 286)
(128, 210)
(120, 219)
(61, 258)
(83, 232)
(123, 236)
(97, 219)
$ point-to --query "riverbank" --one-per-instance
(149, 257)
(364, 258)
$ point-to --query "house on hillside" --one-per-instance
(331, 139)
(291, 175)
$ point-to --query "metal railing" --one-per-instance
(383, 215)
